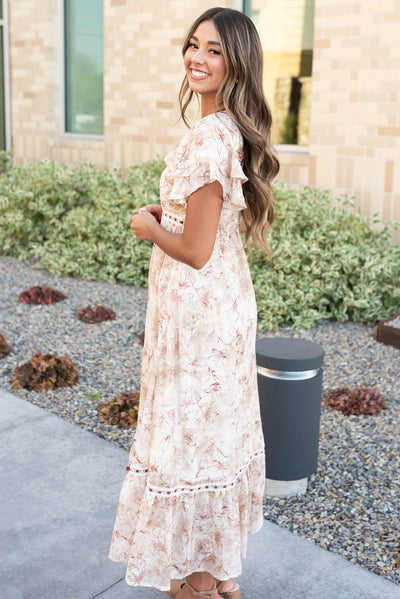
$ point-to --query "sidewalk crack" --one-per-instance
(107, 589)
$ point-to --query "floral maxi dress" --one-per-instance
(196, 468)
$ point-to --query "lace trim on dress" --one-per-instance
(171, 217)
(136, 471)
(201, 487)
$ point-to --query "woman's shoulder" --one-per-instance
(219, 127)
(214, 137)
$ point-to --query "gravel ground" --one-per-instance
(352, 506)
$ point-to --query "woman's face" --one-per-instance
(204, 63)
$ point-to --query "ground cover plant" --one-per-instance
(95, 314)
(327, 261)
(356, 401)
(122, 411)
(5, 349)
(40, 295)
(45, 372)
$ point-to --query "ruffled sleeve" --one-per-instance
(209, 152)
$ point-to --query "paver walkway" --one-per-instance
(58, 496)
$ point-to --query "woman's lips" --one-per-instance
(198, 75)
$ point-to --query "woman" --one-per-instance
(196, 469)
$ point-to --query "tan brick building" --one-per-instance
(348, 113)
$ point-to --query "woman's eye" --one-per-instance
(192, 45)
(215, 52)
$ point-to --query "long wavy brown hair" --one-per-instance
(241, 95)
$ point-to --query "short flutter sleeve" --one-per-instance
(211, 151)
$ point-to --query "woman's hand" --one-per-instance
(154, 209)
(144, 223)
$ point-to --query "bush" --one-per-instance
(356, 401)
(123, 410)
(5, 349)
(44, 373)
(76, 220)
(41, 295)
(327, 261)
(96, 314)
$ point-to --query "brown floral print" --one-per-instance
(196, 469)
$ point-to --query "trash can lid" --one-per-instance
(288, 354)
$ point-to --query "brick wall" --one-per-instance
(142, 75)
(35, 29)
(30, 48)
(355, 117)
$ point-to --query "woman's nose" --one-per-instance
(198, 55)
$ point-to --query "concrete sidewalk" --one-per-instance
(59, 491)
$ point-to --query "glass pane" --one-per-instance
(1, 9)
(286, 30)
(2, 111)
(84, 66)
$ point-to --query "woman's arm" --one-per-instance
(195, 245)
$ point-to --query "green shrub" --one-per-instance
(327, 261)
(76, 220)
(5, 161)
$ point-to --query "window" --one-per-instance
(2, 107)
(4, 79)
(286, 29)
(84, 66)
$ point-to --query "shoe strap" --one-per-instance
(201, 594)
(220, 586)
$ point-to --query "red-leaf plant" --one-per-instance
(45, 372)
(5, 349)
(122, 411)
(355, 401)
(95, 314)
(40, 295)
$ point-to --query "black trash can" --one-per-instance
(289, 373)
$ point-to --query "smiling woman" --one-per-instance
(196, 470)
(205, 65)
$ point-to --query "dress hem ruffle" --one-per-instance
(164, 537)
(217, 574)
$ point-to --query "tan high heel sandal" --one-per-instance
(233, 593)
(176, 586)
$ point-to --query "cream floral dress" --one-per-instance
(196, 468)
